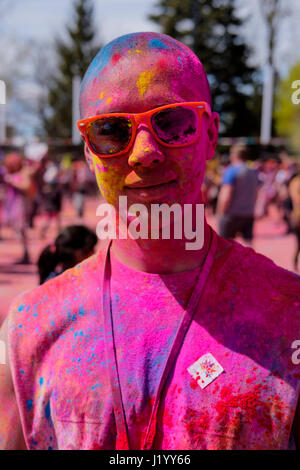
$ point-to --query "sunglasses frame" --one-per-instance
(201, 107)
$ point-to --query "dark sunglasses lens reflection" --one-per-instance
(175, 126)
(109, 135)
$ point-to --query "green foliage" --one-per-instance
(287, 113)
(73, 57)
(212, 30)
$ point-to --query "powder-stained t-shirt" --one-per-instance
(147, 312)
(247, 318)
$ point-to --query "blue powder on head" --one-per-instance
(157, 44)
(41, 380)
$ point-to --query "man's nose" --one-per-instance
(145, 150)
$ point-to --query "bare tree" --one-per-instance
(273, 12)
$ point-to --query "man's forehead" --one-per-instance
(138, 68)
(132, 45)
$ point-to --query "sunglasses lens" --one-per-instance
(175, 126)
(108, 136)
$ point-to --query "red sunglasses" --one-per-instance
(173, 125)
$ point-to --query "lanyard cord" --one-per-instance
(123, 442)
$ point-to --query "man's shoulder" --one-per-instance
(230, 174)
(259, 276)
(64, 289)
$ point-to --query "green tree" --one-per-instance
(287, 108)
(212, 29)
(74, 54)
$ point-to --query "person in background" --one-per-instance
(294, 192)
(74, 244)
(20, 191)
(237, 196)
(51, 198)
(79, 185)
(284, 176)
(268, 193)
(38, 177)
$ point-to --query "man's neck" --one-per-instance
(161, 256)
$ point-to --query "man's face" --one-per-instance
(149, 172)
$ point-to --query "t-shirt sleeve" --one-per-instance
(229, 175)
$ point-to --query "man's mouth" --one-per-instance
(149, 185)
(150, 191)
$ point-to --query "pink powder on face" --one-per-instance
(140, 72)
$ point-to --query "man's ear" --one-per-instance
(213, 132)
(89, 158)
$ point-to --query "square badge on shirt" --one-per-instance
(205, 370)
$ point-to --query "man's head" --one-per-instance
(238, 153)
(134, 74)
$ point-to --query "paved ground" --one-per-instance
(270, 240)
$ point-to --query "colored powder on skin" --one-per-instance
(103, 57)
(47, 410)
(157, 44)
(143, 82)
(29, 405)
(115, 58)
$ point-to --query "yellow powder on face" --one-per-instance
(109, 180)
(138, 51)
(144, 81)
(108, 100)
(101, 95)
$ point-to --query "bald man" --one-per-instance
(149, 344)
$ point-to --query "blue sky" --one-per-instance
(43, 19)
